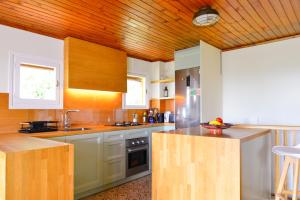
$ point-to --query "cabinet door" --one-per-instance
(114, 170)
(114, 150)
(114, 156)
(114, 136)
(88, 173)
(90, 65)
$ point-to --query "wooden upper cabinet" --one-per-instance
(94, 67)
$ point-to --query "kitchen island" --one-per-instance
(192, 164)
(33, 168)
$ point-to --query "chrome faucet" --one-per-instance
(67, 121)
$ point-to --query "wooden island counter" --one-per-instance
(191, 164)
(35, 169)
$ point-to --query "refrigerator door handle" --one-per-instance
(188, 81)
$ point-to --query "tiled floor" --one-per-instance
(136, 190)
(139, 189)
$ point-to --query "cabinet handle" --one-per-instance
(137, 149)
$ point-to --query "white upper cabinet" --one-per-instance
(187, 58)
(167, 70)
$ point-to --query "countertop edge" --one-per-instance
(259, 133)
(95, 129)
(17, 142)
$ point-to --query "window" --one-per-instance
(136, 92)
(35, 83)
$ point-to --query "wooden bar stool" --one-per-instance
(292, 156)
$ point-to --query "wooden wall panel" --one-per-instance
(163, 104)
(153, 29)
(154, 103)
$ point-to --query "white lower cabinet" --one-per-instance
(100, 158)
(114, 170)
(114, 156)
(114, 150)
(88, 160)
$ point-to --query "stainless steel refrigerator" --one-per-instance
(187, 100)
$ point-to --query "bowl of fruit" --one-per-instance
(216, 126)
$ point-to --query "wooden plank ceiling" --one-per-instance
(153, 29)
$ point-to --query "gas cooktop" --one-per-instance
(125, 124)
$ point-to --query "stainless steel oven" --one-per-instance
(137, 155)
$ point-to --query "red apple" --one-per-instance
(219, 119)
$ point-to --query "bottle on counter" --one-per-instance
(166, 92)
(144, 117)
(135, 118)
(151, 119)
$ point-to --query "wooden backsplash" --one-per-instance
(10, 119)
(95, 108)
(163, 104)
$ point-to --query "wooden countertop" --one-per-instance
(95, 129)
(19, 143)
(242, 134)
(34, 168)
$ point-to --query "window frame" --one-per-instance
(15, 102)
(145, 105)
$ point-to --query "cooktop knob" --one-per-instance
(138, 142)
(133, 143)
(142, 141)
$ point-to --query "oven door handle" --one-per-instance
(130, 150)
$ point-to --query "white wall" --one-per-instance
(15, 40)
(261, 84)
(210, 82)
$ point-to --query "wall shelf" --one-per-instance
(168, 80)
(166, 98)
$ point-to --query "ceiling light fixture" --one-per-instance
(206, 16)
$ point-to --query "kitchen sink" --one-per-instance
(76, 129)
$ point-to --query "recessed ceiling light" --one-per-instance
(206, 16)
